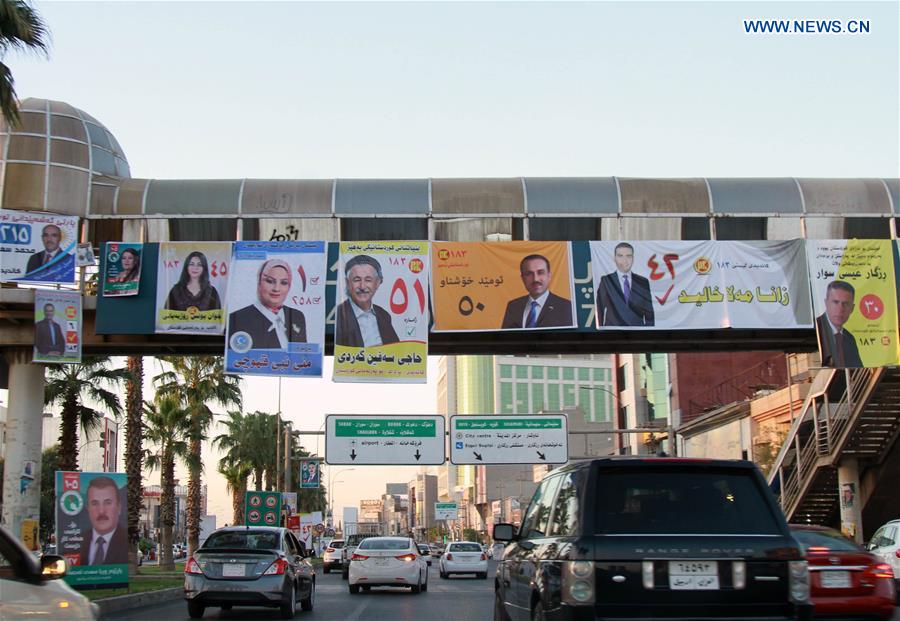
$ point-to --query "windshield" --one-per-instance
(384, 544)
(824, 540)
(336, 544)
(465, 547)
(244, 540)
(667, 500)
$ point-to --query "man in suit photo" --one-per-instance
(49, 339)
(623, 297)
(837, 344)
(268, 322)
(540, 308)
(106, 542)
(51, 236)
(360, 322)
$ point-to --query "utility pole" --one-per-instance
(278, 480)
(288, 467)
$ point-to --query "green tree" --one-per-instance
(198, 381)
(167, 426)
(21, 28)
(69, 385)
(49, 466)
(235, 483)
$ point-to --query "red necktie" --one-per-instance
(838, 350)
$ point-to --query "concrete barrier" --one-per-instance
(118, 603)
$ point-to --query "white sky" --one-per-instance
(415, 90)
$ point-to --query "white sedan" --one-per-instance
(388, 561)
(463, 557)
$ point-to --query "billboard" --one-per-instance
(57, 326)
(191, 284)
(37, 247)
(122, 274)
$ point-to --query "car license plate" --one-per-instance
(381, 562)
(693, 575)
(233, 570)
(835, 579)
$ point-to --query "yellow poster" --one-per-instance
(501, 286)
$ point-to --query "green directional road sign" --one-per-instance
(262, 509)
(415, 440)
(509, 439)
(446, 511)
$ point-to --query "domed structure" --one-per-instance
(60, 159)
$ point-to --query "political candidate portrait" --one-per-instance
(48, 334)
(193, 289)
(51, 237)
(541, 308)
(623, 297)
(837, 344)
(310, 474)
(106, 541)
(359, 321)
(269, 323)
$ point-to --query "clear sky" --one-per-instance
(414, 90)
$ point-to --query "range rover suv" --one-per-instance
(651, 538)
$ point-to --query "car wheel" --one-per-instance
(537, 612)
(443, 573)
(307, 602)
(482, 575)
(326, 569)
(354, 589)
(195, 609)
(226, 606)
(345, 575)
(417, 588)
(499, 610)
(289, 608)
(366, 589)
(425, 585)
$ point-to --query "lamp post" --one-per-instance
(670, 431)
(331, 483)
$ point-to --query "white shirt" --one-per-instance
(278, 323)
(92, 551)
(368, 324)
(540, 307)
(834, 328)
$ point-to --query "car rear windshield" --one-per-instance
(243, 540)
(828, 539)
(465, 547)
(336, 544)
(384, 544)
(666, 500)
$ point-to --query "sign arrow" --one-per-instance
(541, 455)
(477, 456)
(353, 454)
(417, 455)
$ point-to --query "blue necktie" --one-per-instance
(52, 334)
(626, 288)
(532, 316)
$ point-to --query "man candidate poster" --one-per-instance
(276, 302)
(381, 319)
(855, 302)
(37, 247)
(57, 326)
(664, 285)
(91, 526)
(191, 285)
(501, 286)
(123, 268)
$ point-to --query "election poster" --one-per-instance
(309, 473)
(684, 285)
(57, 326)
(276, 302)
(502, 286)
(191, 285)
(122, 275)
(92, 528)
(381, 319)
(855, 302)
(37, 247)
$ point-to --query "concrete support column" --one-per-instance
(24, 421)
(851, 502)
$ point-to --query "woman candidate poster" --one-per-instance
(191, 285)
(122, 274)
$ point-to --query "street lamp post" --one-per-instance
(331, 483)
(673, 449)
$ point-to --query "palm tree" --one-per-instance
(167, 425)
(197, 381)
(248, 440)
(21, 28)
(134, 452)
(235, 482)
(68, 385)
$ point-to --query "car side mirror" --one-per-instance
(504, 532)
(52, 567)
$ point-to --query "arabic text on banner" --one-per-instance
(122, 274)
(37, 247)
(664, 285)
(855, 302)
(381, 321)
(276, 302)
(191, 286)
(489, 286)
(57, 326)
(92, 527)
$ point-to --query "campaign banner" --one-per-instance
(122, 274)
(855, 302)
(381, 318)
(685, 285)
(309, 473)
(92, 527)
(478, 287)
(308, 522)
(289, 503)
(276, 324)
(262, 508)
(57, 326)
(191, 285)
(37, 247)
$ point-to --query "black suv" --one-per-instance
(651, 538)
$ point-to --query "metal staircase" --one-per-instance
(854, 412)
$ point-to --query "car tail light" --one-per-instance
(192, 567)
(882, 570)
(798, 574)
(578, 582)
(358, 557)
(483, 556)
(329, 550)
(739, 574)
(897, 552)
(277, 568)
(449, 556)
(817, 550)
(406, 557)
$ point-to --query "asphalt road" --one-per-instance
(458, 599)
